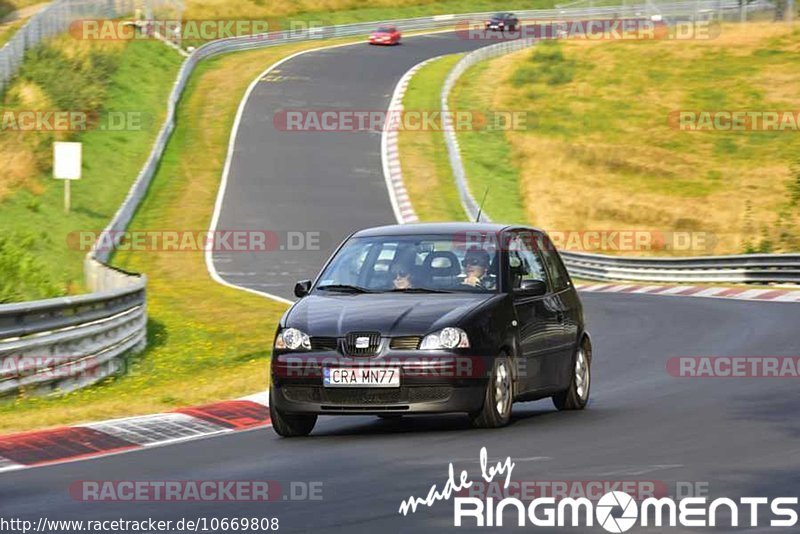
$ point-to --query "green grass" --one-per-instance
(111, 161)
(488, 160)
(206, 341)
(601, 154)
(346, 11)
(425, 165)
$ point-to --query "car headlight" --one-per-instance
(447, 338)
(292, 339)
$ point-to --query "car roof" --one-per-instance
(435, 228)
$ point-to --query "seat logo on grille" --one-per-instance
(362, 342)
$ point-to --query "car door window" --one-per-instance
(524, 263)
(555, 268)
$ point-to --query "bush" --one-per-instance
(72, 82)
(21, 274)
(546, 65)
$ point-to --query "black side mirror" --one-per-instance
(534, 288)
(302, 288)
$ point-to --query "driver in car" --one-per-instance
(476, 269)
(401, 277)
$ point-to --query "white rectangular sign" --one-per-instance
(67, 161)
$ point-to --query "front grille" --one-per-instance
(366, 396)
(429, 393)
(405, 343)
(324, 343)
(362, 395)
(301, 393)
(373, 343)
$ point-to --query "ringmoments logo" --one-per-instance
(615, 511)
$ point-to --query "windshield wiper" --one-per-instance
(419, 290)
(344, 288)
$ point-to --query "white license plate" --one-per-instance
(374, 377)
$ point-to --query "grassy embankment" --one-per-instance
(206, 341)
(30, 212)
(601, 154)
(35, 260)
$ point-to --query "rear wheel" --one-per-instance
(577, 395)
(287, 425)
(499, 396)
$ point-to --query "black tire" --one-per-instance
(290, 426)
(491, 416)
(576, 397)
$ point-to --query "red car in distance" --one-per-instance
(385, 35)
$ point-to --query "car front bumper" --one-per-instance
(442, 384)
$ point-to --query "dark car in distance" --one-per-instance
(503, 22)
(431, 318)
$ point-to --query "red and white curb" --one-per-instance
(735, 293)
(67, 444)
(390, 154)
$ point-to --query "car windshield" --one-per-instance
(385, 29)
(414, 264)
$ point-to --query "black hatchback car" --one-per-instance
(503, 22)
(431, 318)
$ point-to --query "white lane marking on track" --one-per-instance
(709, 292)
(209, 256)
(676, 289)
(390, 157)
(750, 293)
(8, 465)
(648, 289)
(157, 428)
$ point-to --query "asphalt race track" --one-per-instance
(741, 436)
(330, 183)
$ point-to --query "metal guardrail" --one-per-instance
(66, 343)
(44, 344)
(750, 268)
(740, 269)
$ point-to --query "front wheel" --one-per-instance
(290, 426)
(577, 395)
(499, 396)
